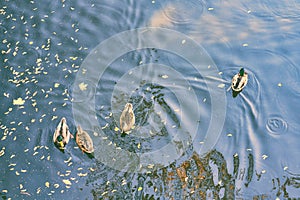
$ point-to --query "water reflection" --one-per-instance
(43, 45)
(199, 177)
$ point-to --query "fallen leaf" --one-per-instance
(83, 86)
(67, 182)
(18, 101)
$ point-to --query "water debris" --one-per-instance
(140, 188)
(222, 85)
(56, 85)
(165, 76)
(210, 9)
(66, 161)
(229, 135)
(124, 182)
(18, 101)
(104, 127)
(38, 190)
(67, 182)
(82, 174)
(285, 168)
(264, 157)
(47, 184)
(183, 41)
(150, 166)
(245, 45)
(54, 117)
(116, 129)
(279, 84)
(2, 152)
(83, 86)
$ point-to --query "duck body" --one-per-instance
(84, 141)
(127, 118)
(62, 134)
(239, 81)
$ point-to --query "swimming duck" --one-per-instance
(127, 118)
(62, 134)
(84, 141)
(239, 81)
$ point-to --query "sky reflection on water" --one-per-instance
(43, 46)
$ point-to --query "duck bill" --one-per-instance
(61, 145)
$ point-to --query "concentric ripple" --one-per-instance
(94, 67)
(183, 12)
(286, 9)
(276, 125)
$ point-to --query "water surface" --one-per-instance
(43, 46)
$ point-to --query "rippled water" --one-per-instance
(179, 148)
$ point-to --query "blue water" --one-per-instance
(216, 145)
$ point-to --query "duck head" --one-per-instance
(60, 142)
(242, 72)
(128, 107)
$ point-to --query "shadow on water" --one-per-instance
(235, 93)
(199, 177)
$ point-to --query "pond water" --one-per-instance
(174, 61)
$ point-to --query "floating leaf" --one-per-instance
(150, 166)
(83, 86)
(18, 101)
(67, 182)
(140, 188)
(47, 184)
(222, 85)
(2, 151)
(82, 174)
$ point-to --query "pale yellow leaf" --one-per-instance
(67, 182)
(18, 101)
(83, 86)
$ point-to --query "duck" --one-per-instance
(84, 141)
(127, 118)
(62, 134)
(239, 81)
